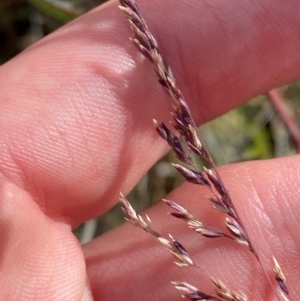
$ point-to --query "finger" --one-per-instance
(40, 258)
(77, 108)
(137, 267)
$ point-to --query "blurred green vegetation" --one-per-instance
(23, 22)
(253, 131)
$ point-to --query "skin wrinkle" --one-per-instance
(12, 166)
(267, 234)
(107, 125)
(52, 134)
(275, 239)
(288, 237)
(295, 220)
(282, 208)
(256, 206)
(85, 141)
(280, 219)
(38, 161)
(231, 257)
(35, 158)
(73, 141)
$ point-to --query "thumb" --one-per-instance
(40, 257)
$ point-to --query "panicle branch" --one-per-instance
(280, 279)
(194, 223)
(192, 293)
(182, 258)
(226, 293)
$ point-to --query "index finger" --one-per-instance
(77, 108)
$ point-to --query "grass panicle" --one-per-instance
(186, 140)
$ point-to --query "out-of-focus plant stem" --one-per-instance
(279, 103)
(55, 10)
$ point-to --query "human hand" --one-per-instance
(76, 128)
